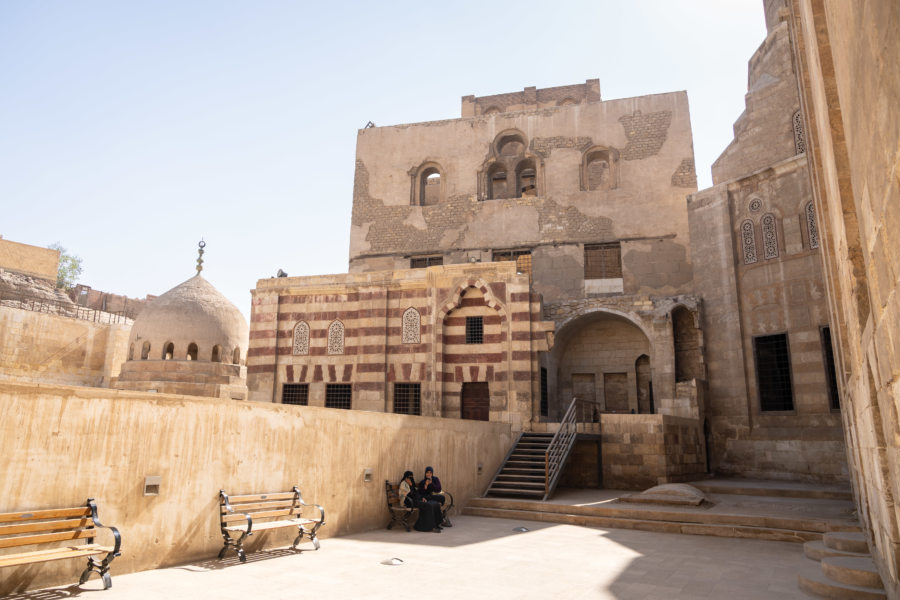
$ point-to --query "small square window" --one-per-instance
(421, 262)
(295, 393)
(474, 330)
(338, 395)
(603, 261)
(407, 398)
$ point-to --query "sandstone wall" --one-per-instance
(62, 445)
(33, 261)
(847, 53)
(44, 348)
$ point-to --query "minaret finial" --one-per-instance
(202, 245)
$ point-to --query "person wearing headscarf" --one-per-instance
(429, 510)
(430, 489)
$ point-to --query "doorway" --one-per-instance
(475, 402)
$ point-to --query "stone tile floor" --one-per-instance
(480, 558)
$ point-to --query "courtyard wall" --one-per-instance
(64, 444)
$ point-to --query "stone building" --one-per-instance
(190, 340)
(774, 409)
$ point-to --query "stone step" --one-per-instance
(504, 492)
(520, 477)
(518, 484)
(852, 570)
(848, 541)
(777, 489)
(817, 550)
(813, 581)
(585, 520)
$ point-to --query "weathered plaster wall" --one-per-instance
(848, 54)
(33, 261)
(44, 348)
(62, 445)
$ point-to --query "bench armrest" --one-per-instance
(116, 535)
(224, 500)
(321, 520)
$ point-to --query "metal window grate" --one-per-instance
(295, 393)
(603, 261)
(522, 258)
(773, 372)
(474, 330)
(407, 398)
(338, 395)
(834, 398)
(421, 262)
(545, 397)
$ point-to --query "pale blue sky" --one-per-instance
(128, 130)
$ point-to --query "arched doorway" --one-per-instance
(601, 358)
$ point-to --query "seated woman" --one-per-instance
(429, 511)
(430, 489)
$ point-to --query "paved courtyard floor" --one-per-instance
(480, 558)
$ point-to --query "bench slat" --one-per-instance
(261, 497)
(259, 515)
(12, 560)
(275, 525)
(249, 507)
(27, 540)
(46, 526)
(36, 515)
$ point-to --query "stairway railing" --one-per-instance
(559, 449)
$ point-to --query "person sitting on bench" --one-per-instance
(430, 489)
(429, 511)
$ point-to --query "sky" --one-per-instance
(131, 130)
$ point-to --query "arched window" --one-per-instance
(497, 182)
(412, 326)
(336, 338)
(811, 227)
(301, 339)
(526, 178)
(748, 242)
(799, 137)
(427, 184)
(168, 352)
(145, 351)
(216, 355)
(598, 169)
(192, 351)
(236, 356)
(770, 236)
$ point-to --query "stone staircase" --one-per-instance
(523, 475)
(846, 570)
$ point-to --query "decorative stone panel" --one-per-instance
(770, 236)
(748, 242)
(412, 326)
(799, 137)
(336, 338)
(301, 339)
(811, 226)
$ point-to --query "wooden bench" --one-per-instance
(403, 515)
(41, 527)
(242, 516)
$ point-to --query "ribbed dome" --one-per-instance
(193, 312)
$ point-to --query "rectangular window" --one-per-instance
(407, 398)
(338, 395)
(834, 399)
(773, 372)
(295, 393)
(603, 261)
(545, 401)
(474, 330)
(522, 258)
(420, 262)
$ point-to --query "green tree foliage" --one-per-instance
(69, 267)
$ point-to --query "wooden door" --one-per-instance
(475, 401)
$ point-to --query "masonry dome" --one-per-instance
(192, 321)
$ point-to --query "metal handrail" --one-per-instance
(558, 450)
(62, 309)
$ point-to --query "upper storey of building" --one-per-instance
(554, 175)
(532, 98)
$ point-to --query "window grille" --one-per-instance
(773, 372)
(522, 258)
(295, 393)
(545, 396)
(407, 398)
(834, 399)
(474, 330)
(420, 262)
(603, 261)
(338, 395)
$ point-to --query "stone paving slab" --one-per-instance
(482, 558)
